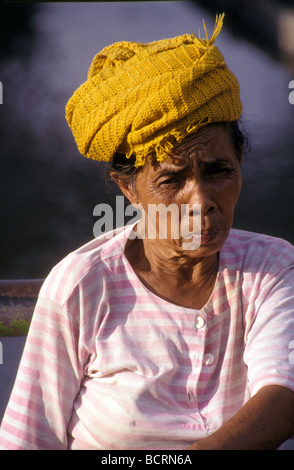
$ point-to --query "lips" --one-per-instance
(208, 235)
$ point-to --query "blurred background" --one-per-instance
(48, 191)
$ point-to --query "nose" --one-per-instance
(202, 194)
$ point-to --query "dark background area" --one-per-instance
(47, 198)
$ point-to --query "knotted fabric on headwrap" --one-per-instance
(140, 98)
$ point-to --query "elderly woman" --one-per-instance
(144, 342)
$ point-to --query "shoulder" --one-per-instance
(256, 250)
(85, 266)
(245, 238)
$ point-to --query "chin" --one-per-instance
(209, 245)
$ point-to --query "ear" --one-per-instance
(126, 188)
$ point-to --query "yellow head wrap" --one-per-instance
(140, 98)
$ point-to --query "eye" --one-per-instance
(219, 171)
(172, 180)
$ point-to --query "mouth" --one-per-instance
(208, 235)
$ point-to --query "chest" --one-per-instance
(152, 337)
(187, 294)
(164, 366)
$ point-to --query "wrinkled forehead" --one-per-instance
(210, 144)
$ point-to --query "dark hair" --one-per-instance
(125, 167)
(240, 138)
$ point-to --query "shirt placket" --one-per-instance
(198, 358)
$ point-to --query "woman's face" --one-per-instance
(203, 169)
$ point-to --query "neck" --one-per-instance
(176, 276)
(178, 266)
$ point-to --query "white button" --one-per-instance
(208, 359)
(200, 322)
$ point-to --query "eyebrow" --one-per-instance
(176, 170)
(171, 172)
(217, 162)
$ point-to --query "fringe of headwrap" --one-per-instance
(164, 148)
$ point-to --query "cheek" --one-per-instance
(228, 195)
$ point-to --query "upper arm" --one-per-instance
(47, 382)
(268, 348)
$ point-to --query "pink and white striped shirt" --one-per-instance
(109, 365)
